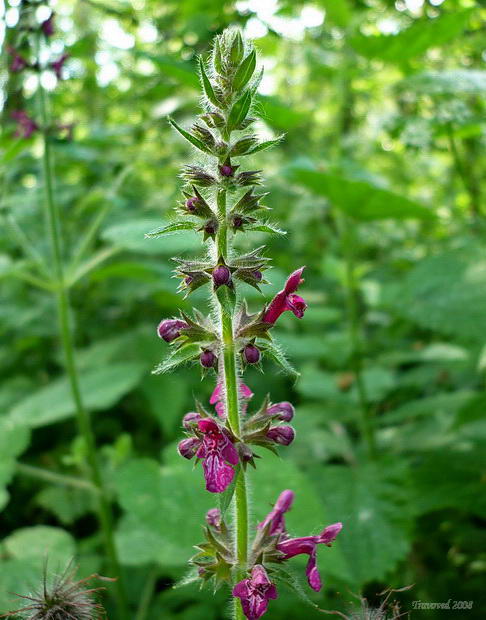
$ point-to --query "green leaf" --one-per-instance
(266, 145)
(275, 353)
(339, 13)
(101, 388)
(178, 357)
(450, 82)
(359, 199)
(14, 439)
(373, 502)
(189, 137)
(446, 293)
(245, 71)
(208, 89)
(413, 41)
(266, 228)
(239, 110)
(171, 228)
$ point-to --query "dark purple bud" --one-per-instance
(213, 518)
(245, 452)
(226, 170)
(26, 126)
(210, 227)
(284, 435)
(237, 221)
(190, 420)
(47, 26)
(283, 411)
(258, 275)
(208, 359)
(188, 447)
(251, 353)
(170, 329)
(191, 204)
(221, 275)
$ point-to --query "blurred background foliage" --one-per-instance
(378, 182)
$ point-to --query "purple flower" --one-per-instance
(221, 275)
(217, 398)
(25, 125)
(191, 204)
(208, 359)
(283, 435)
(275, 518)
(255, 593)
(170, 329)
(188, 447)
(283, 411)
(190, 420)
(58, 65)
(251, 353)
(213, 518)
(287, 299)
(47, 26)
(218, 455)
(18, 62)
(291, 547)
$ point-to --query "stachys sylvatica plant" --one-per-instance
(221, 200)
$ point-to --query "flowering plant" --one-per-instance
(220, 200)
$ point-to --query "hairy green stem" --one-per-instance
(64, 311)
(232, 409)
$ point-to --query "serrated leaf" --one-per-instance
(275, 353)
(207, 87)
(266, 145)
(266, 228)
(178, 357)
(245, 71)
(189, 137)
(239, 111)
(171, 228)
(359, 199)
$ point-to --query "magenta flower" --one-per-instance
(287, 299)
(255, 593)
(58, 65)
(188, 447)
(291, 547)
(275, 518)
(26, 126)
(170, 329)
(218, 455)
(217, 398)
(213, 518)
(190, 420)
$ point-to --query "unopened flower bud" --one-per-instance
(251, 353)
(191, 204)
(213, 518)
(283, 411)
(245, 452)
(190, 420)
(237, 221)
(211, 227)
(208, 359)
(226, 170)
(47, 26)
(221, 275)
(170, 329)
(187, 448)
(258, 275)
(283, 435)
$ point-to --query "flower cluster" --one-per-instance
(220, 201)
(21, 62)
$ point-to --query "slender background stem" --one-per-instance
(64, 312)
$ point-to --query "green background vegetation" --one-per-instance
(378, 183)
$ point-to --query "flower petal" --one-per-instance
(218, 474)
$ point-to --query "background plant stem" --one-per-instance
(64, 312)
(232, 409)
